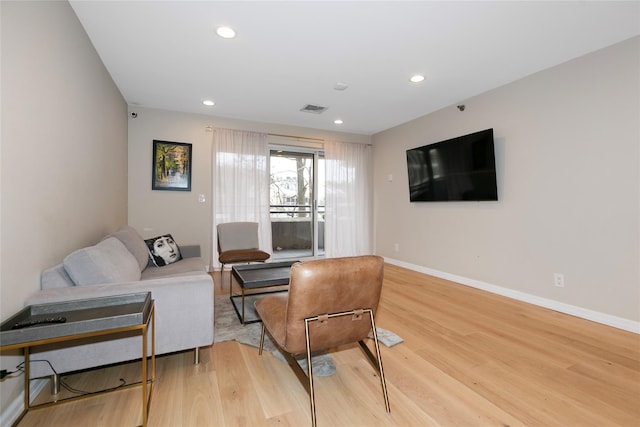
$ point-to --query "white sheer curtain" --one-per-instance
(240, 183)
(348, 199)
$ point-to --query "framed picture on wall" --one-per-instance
(171, 166)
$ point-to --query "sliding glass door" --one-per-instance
(296, 197)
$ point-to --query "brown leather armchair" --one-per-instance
(331, 302)
(238, 243)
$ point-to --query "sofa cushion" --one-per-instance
(107, 262)
(163, 250)
(134, 243)
(186, 266)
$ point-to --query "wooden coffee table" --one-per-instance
(251, 277)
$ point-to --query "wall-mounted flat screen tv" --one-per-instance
(457, 169)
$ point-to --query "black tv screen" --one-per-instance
(457, 169)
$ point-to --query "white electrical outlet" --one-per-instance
(396, 247)
(558, 280)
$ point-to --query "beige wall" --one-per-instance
(177, 212)
(64, 150)
(567, 143)
(567, 151)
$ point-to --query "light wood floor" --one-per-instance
(469, 358)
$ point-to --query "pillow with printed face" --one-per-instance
(163, 250)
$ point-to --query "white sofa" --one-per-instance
(119, 264)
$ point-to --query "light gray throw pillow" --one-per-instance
(135, 243)
(107, 262)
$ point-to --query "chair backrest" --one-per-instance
(330, 286)
(237, 235)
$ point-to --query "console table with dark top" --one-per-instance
(84, 318)
(257, 277)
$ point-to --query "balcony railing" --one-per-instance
(292, 231)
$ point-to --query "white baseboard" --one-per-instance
(13, 410)
(583, 313)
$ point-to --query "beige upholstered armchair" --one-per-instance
(331, 302)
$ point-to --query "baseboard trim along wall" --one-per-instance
(10, 414)
(583, 313)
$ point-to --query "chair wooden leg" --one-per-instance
(310, 374)
(261, 340)
(377, 361)
(291, 361)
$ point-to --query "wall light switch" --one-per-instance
(390, 178)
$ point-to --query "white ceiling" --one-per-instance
(167, 55)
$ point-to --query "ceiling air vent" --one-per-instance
(309, 108)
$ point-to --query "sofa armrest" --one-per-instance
(190, 251)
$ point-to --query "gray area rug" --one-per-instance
(229, 328)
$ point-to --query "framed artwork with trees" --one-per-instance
(171, 166)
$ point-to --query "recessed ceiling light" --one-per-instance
(417, 78)
(226, 32)
(338, 121)
(208, 103)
